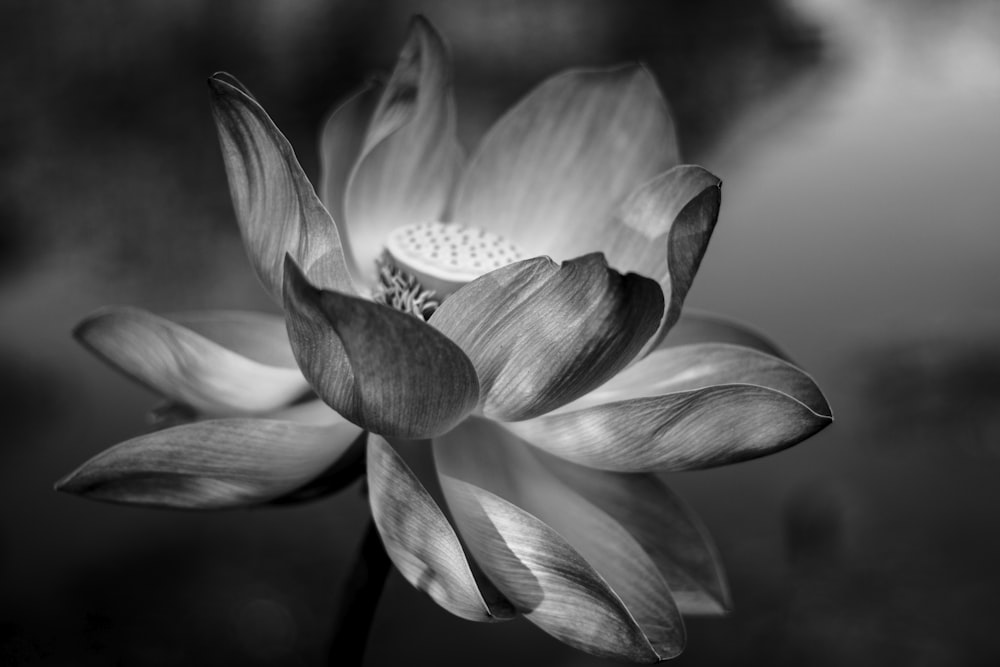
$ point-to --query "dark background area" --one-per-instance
(859, 147)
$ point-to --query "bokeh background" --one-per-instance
(860, 149)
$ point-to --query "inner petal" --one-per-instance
(425, 262)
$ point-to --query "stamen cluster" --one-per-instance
(400, 290)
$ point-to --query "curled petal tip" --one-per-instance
(218, 84)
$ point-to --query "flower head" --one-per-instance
(517, 313)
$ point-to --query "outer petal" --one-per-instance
(340, 145)
(421, 542)
(667, 529)
(541, 334)
(662, 231)
(411, 158)
(693, 406)
(258, 336)
(568, 566)
(276, 207)
(382, 369)
(696, 326)
(186, 367)
(212, 464)
(550, 172)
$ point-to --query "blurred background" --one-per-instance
(860, 147)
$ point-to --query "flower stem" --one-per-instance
(358, 600)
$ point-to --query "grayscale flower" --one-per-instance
(516, 314)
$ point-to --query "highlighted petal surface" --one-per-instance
(571, 568)
(276, 207)
(548, 175)
(662, 231)
(665, 527)
(411, 158)
(186, 367)
(380, 368)
(213, 464)
(258, 336)
(692, 406)
(340, 145)
(541, 334)
(420, 540)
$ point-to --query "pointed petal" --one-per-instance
(568, 566)
(661, 522)
(340, 145)
(258, 336)
(662, 231)
(420, 540)
(213, 464)
(380, 368)
(541, 334)
(696, 326)
(186, 367)
(549, 173)
(694, 406)
(411, 158)
(276, 207)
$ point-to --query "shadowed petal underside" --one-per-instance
(214, 464)
(385, 370)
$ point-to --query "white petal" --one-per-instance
(276, 207)
(570, 567)
(212, 464)
(693, 406)
(186, 367)
(548, 175)
(411, 158)
(421, 542)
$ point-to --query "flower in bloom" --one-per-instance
(515, 315)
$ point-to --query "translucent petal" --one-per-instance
(550, 172)
(411, 158)
(696, 326)
(340, 146)
(186, 367)
(258, 336)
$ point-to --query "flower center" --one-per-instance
(442, 257)
(398, 289)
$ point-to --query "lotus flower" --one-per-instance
(517, 314)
